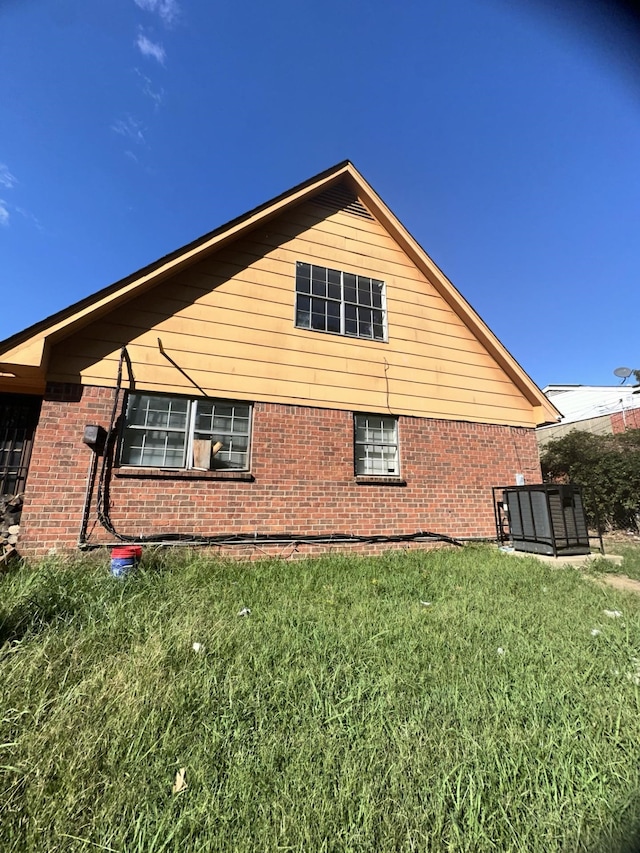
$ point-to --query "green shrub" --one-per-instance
(606, 466)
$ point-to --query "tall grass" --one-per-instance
(455, 700)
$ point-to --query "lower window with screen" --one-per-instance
(178, 432)
(376, 446)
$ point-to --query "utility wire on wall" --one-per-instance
(172, 538)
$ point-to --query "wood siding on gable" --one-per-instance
(228, 322)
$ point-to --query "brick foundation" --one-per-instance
(302, 480)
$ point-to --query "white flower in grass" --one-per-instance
(634, 675)
(595, 632)
(500, 650)
(197, 647)
(244, 612)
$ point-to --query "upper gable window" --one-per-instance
(341, 302)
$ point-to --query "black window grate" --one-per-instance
(18, 420)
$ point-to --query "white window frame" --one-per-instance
(380, 444)
(342, 316)
(220, 459)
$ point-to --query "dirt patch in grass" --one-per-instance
(621, 582)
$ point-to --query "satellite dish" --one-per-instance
(622, 373)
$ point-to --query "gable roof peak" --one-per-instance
(26, 353)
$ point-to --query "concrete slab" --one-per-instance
(572, 560)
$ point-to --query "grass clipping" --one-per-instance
(442, 701)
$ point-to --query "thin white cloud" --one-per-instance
(29, 217)
(130, 128)
(151, 48)
(156, 95)
(168, 10)
(4, 213)
(6, 178)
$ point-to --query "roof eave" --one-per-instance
(18, 350)
(544, 410)
(29, 349)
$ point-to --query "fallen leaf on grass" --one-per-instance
(180, 783)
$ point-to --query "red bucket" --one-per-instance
(124, 558)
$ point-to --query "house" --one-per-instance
(599, 409)
(302, 373)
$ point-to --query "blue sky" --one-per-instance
(505, 137)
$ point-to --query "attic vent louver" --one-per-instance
(342, 198)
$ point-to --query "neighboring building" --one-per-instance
(304, 370)
(599, 409)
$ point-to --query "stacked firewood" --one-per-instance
(10, 511)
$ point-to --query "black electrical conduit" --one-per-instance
(102, 501)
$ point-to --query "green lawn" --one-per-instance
(456, 700)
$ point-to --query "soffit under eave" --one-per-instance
(544, 417)
(21, 380)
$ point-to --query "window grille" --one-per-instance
(376, 445)
(18, 420)
(177, 432)
(329, 300)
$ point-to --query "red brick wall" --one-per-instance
(303, 482)
(630, 420)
